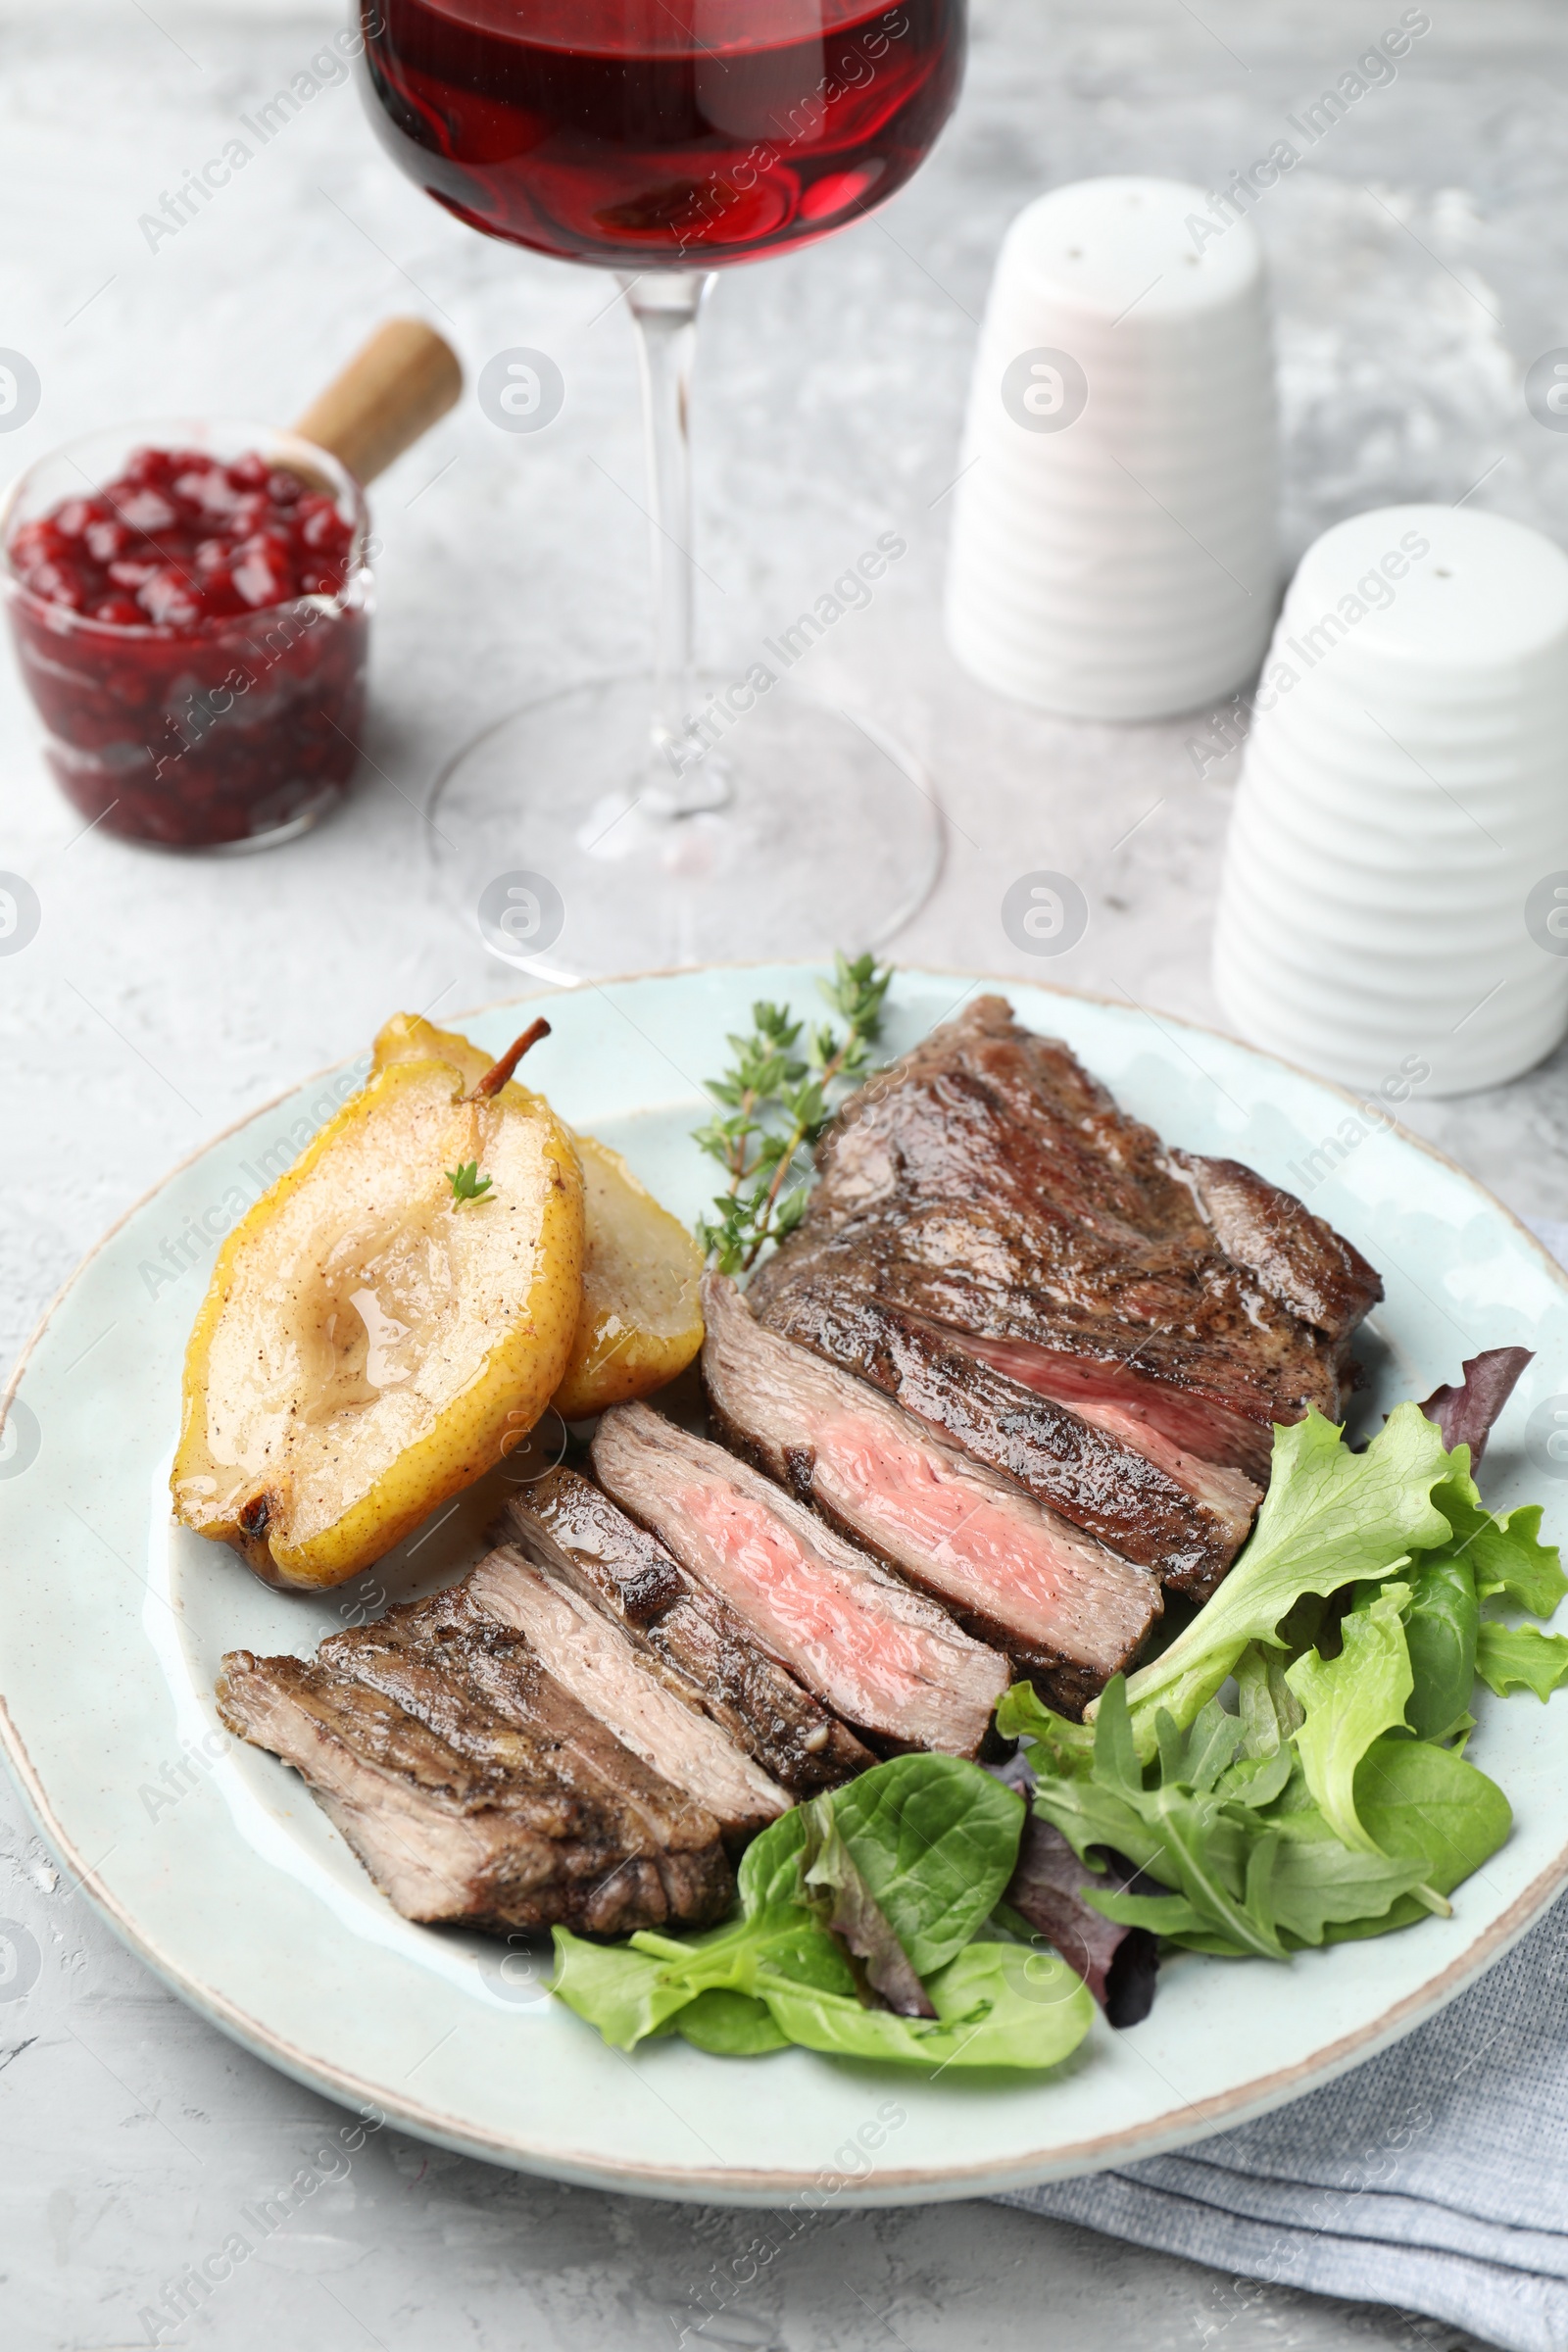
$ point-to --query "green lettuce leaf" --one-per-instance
(1330, 1517)
(1440, 1628)
(1348, 1701)
(1502, 1547)
(1518, 1658)
(1270, 1710)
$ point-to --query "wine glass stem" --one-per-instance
(665, 304)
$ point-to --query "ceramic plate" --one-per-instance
(215, 1865)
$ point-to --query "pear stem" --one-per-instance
(496, 1076)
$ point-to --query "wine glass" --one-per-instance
(679, 817)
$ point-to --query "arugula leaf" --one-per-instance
(1518, 1658)
(997, 2005)
(1314, 1885)
(1253, 1864)
(1330, 1517)
(1348, 1701)
(1061, 1746)
(1319, 1885)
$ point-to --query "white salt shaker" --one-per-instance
(1114, 545)
(1394, 900)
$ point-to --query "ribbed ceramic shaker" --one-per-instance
(1394, 898)
(1114, 547)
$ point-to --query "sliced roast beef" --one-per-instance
(658, 1717)
(1298, 1257)
(989, 1186)
(884, 1658)
(472, 1784)
(1180, 1434)
(1118, 1480)
(579, 1536)
(1065, 1610)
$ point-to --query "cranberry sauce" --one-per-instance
(195, 639)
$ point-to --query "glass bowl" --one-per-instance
(233, 733)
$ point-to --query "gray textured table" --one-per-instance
(1419, 256)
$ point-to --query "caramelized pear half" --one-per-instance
(641, 1321)
(372, 1342)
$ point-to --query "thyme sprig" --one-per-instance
(778, 1096)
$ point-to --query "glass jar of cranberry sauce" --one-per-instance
(191, 605)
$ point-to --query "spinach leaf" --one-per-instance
(1518, 1658)
(1441, 1627)
(935, 1840)
(1348, 1701)
(1426, 1804)
(859, 1920)
(730, 2024)
(1330, 1518)
(997, 2005)
(920, 1849)
(770, 1867)
(626, 1995)
(1318, 1883)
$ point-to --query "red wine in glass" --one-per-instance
(695, 134)
(674, 818)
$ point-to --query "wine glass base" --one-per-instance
(554, 830)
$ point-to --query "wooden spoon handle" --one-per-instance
(391, 392)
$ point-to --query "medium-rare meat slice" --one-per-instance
(1097, 1394)
(1067, 1612)
(991, 1187)
(657, 1718)
(471, 1784)
(1125, 1485)
(577, 1533)
(884, 1658)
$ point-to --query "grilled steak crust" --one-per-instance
(471, 1784)
(1298, 1257)
(991, 1187)
(577, 1533)
(886, 1660)
(1067, 1612)
(1165, 1514)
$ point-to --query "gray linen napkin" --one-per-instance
(1434, 2178)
